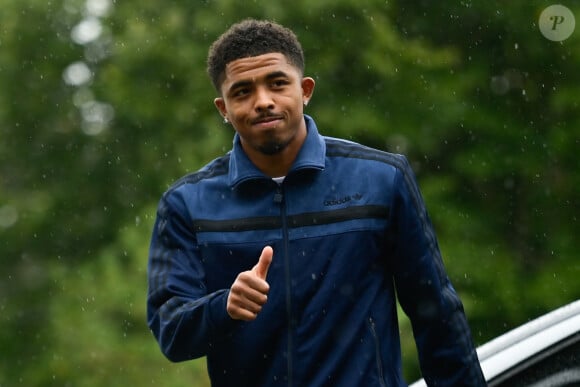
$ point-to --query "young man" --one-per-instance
(280, 260)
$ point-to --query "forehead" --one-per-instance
(256, 66)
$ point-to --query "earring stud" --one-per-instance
(226, 120)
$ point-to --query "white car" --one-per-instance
(544, 352)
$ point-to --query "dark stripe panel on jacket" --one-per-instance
(294, 221)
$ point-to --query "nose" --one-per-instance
(264, 100)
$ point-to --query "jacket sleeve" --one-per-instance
(183, 317)
(446, 352)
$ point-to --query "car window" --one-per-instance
(558, 366)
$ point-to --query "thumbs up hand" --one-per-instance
(249, 292)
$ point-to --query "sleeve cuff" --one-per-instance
(219, 317)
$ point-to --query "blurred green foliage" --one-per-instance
(483, 105)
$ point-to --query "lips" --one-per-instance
(266, 120)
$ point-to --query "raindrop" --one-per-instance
(87, 30)
(96, 117)
(99, 8)
(77, 74)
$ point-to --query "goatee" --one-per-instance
(272, 147)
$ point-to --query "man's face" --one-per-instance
(263, 98)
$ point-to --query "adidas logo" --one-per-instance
(346, 199)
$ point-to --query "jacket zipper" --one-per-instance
(280, 199)
(377, 351)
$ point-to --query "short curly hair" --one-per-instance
(249, 38)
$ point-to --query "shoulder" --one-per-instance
(214, 169)
(336, 147)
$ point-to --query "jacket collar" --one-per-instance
(311, 156)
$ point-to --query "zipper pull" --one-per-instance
(278, 196)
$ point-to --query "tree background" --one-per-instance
(104, 103)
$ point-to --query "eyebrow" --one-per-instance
(270, 76)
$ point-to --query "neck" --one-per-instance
(275, 165)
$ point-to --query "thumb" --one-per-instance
(261, 268)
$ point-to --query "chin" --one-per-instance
(271, 150)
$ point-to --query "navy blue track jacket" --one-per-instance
(349, 229)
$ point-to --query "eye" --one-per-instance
(279, 82)
(241, 92)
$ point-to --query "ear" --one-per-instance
(221, 106)
(307, 89)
